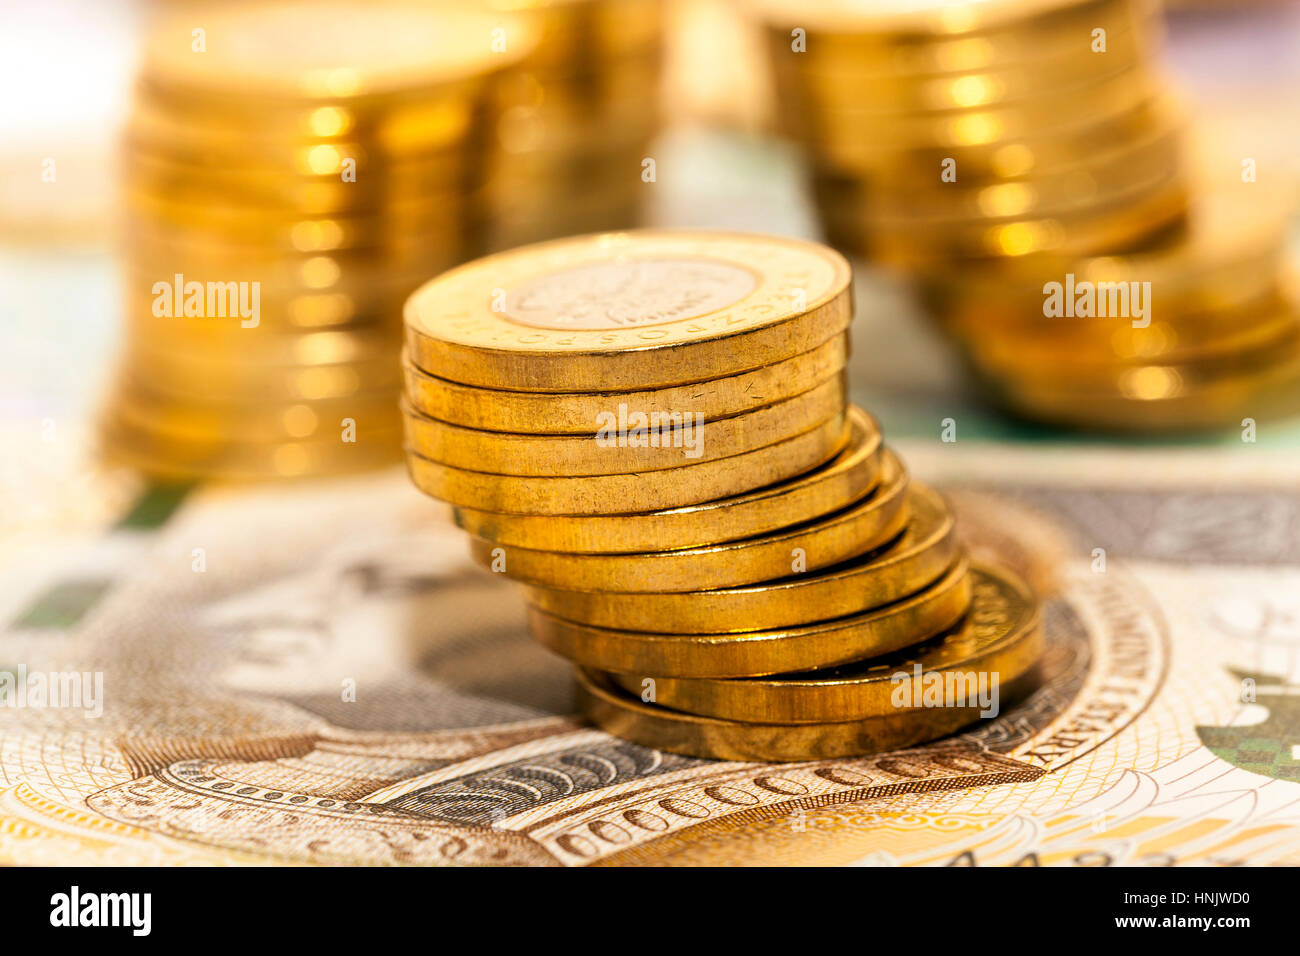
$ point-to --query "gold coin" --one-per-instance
(949, 37)
(1150, 398)
(641, 309)
(835, 485)
(576, 413)
(913, 561)
(304, 234)
(620, 494)
(1117, 227)
(1066, 362)
(849, 136)
(868, 524)
(171, 458)
(920, 196)
(281, 312)
(1226, 259)
(863, 82)
(422, 131)
(900, 623)
(623, 715)
(349, 52)
(416, 215)
(252, 421)
(266, 348)
(309, 180)
(999, 640)
(1041, 152)
(155, 255)
(192, 374)
(681, 437)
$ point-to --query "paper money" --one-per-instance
(319, 675)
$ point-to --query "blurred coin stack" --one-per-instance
(948, 132)
(997, 150)
(576, 120)
(292, 172)
(1200, 330)
(650, 431)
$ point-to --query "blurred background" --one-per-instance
(1167, 156)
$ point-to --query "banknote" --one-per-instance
(316, 674)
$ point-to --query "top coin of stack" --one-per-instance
(942, 131)
(576, 119)
(292, 173)
(649, 430)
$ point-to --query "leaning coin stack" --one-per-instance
(292, 173)
(649, 430)
(576, 120)
(977, 131)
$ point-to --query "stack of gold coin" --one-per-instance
(1198, 331)
(576, 120)
(941, 131)
(1015, 157)
(650, 431)
(292, 172)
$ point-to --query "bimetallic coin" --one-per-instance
(900, 623)
(640, 309)
(621, 494)
(617, 712)
(999, 641)
(860, 528)
(578, 412)
(927, 548)
(835, 485)
(625, 439)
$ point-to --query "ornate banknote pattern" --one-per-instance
(319, 675)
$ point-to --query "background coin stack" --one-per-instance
(979, 131)
(1218, 343)
(576, 120)
(327, 155)
(992, 148)
(752, 599)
